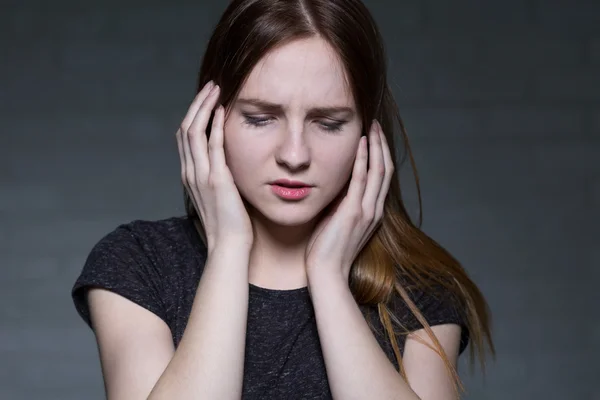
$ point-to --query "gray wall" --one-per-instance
(502, 102)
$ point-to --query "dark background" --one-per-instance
(502, 103)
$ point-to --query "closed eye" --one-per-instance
(255, 121)
(259, 122)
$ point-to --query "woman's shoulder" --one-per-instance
(150, 237)
(142, 260)
(439, 302)
(432, 298)
(168, 230)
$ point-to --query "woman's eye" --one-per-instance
(255, 121)
(332, 127)
(262, 121)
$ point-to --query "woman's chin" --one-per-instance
(290, 216)
(287, 213)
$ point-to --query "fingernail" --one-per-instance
(214, 89)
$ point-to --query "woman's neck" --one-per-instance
(277, 255)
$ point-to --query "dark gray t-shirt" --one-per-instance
(158, 264)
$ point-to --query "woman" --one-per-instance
(297, 272)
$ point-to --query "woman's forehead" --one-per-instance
(305, 71)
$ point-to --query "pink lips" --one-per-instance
(290, 190)
(289, 193)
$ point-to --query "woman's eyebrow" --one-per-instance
(278, 108)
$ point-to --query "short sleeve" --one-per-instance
(438, 307)
(119, 263)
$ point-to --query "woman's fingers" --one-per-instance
(178, 136)
(389, 171)
(358, 181)
(188, 173)
(195, 106)
(375, 174)
(216, 153)
(196, 135)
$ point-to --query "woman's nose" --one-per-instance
(294, 152)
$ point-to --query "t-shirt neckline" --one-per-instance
(297, 294)
(301, 292)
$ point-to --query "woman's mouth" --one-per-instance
(290, 190)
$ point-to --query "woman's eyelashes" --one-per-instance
(334, 126)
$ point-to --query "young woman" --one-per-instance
(297, 272)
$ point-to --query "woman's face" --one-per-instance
(296, 137)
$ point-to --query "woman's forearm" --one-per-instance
(357, 367)
(209, 361)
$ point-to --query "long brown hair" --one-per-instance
(247, 31)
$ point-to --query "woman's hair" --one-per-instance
(247, 31)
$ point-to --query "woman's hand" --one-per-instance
(206, 176)
(356, 213)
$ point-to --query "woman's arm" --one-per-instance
(357, 367)
(124, 333)
(136, 348)
(424, 368)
